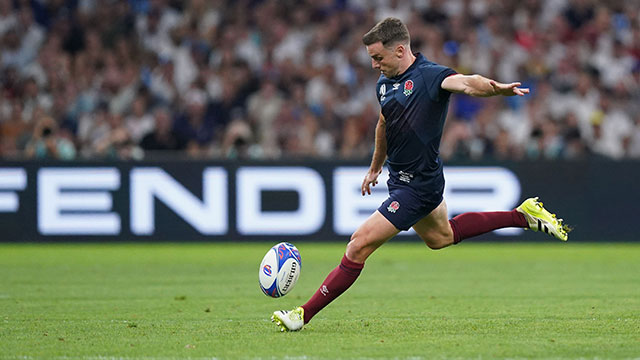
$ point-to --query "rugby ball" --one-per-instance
(280, 269)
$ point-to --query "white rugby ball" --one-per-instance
(280, 269)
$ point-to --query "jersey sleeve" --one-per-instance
(433, 75)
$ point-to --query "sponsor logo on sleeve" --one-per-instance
(383, 90)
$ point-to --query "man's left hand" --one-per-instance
(508, 89)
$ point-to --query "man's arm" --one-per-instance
(379, 156)
(477, 85)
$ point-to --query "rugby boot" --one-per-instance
(540, 219)
(289, 320)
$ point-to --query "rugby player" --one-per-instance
(414, 96)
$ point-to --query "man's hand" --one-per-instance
(508, 89)
(371, 179)
(477, 85)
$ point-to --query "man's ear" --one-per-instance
(400, 50)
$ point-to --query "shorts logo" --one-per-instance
(393, 207)
(408, 87)
(405, 176)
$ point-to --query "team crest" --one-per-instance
(408, 87)
(394, 206)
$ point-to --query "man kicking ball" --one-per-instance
(414, 96)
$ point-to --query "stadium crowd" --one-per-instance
(279, 79)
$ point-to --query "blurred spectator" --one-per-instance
(22, 40)
(49, 142)
(194, 125)
(634, 139)
(14, 131)
(575, 148)
(612, 128)
(354, 145)
(92, 126)
(139, 123)
(113, 139)
(8, 18)
(263, 108)
(238, 139)
(163, 137)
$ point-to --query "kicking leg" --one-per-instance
(374, 232)
(439, 232)
(434, 229)
(530, 214)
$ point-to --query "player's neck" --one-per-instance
(406, 63)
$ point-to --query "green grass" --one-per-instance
(549, 300)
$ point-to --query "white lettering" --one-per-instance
(11, 179)
(208, 216)
(62, 193)
(79, 201)
(307, 219)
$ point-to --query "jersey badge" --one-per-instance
(408, 87)
(393, 207)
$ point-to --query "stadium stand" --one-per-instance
(280, 79)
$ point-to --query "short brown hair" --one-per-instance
(388, 31)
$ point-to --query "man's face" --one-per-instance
(384, 59)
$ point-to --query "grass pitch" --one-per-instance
(168, 301)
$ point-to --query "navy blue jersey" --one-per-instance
(415, 107)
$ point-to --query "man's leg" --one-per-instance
(437, 231)
(472, 224)
(434, 229)
(374, 232)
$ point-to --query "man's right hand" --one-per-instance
(371, 179)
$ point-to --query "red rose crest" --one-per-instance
(408, 87)
(393, 207)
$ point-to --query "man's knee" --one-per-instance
(437, 241)
(356, 245)
(437, 245)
